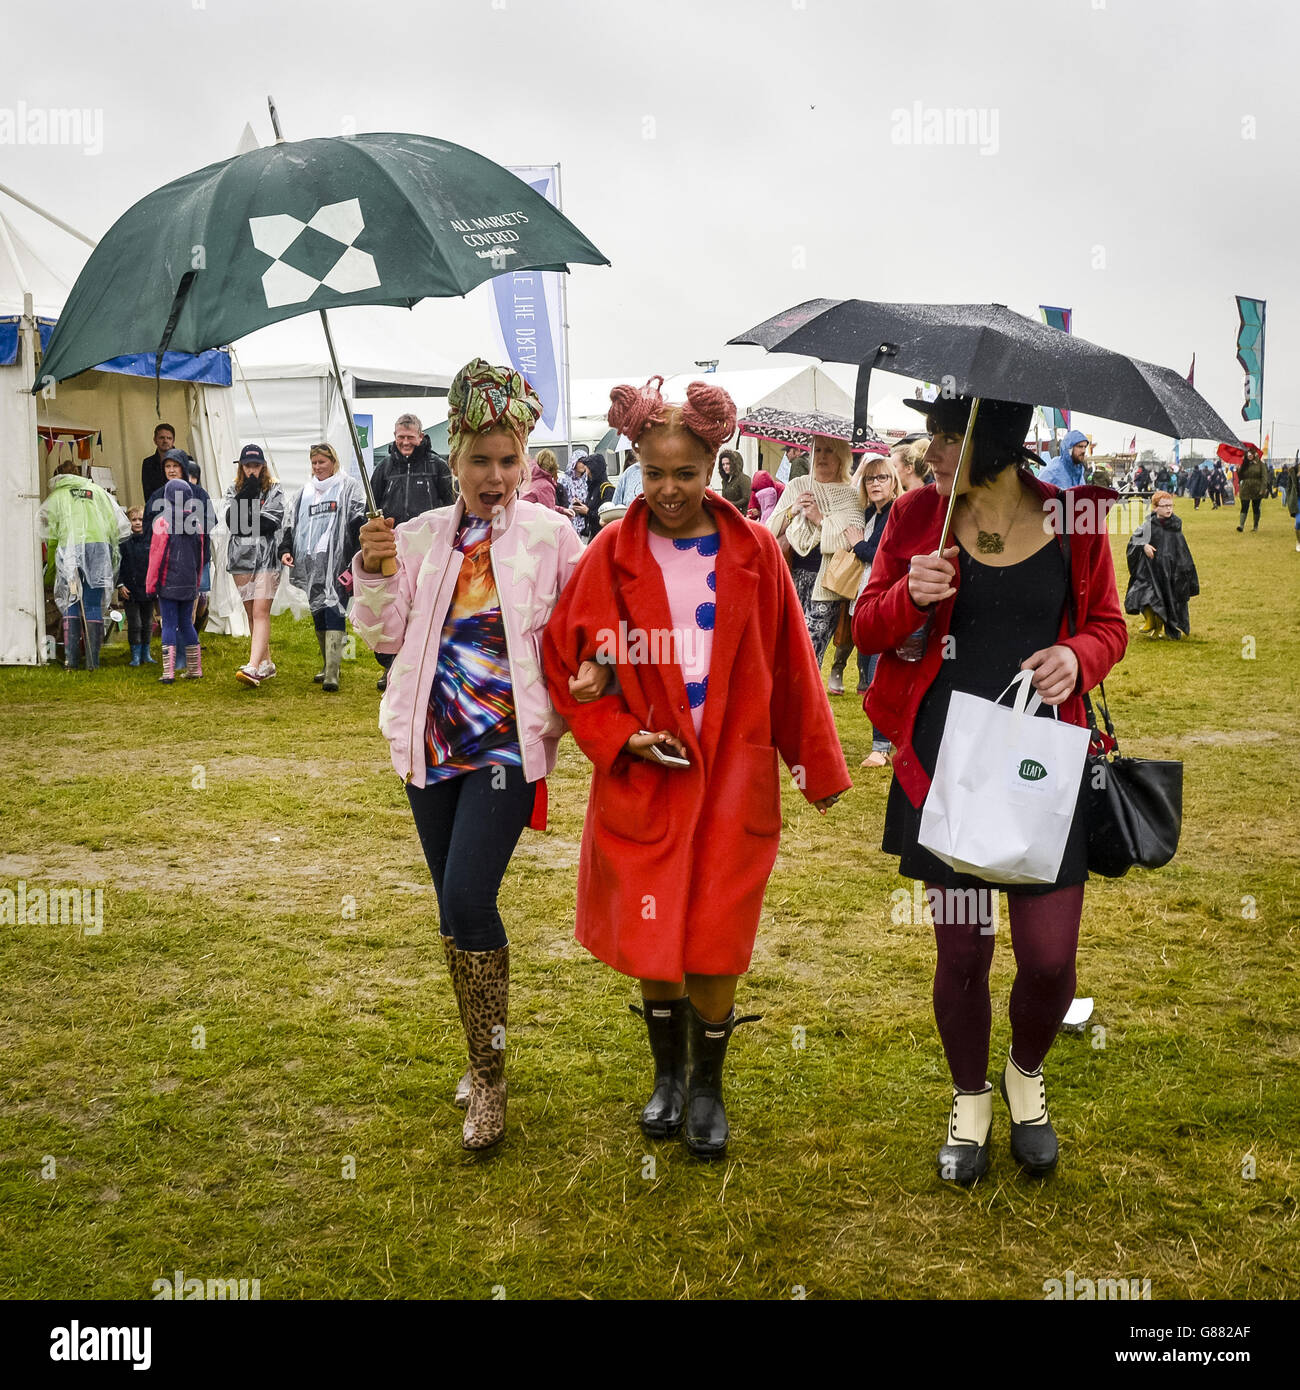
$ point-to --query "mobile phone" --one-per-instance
(661, 755)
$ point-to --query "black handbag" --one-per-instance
(1134, 806)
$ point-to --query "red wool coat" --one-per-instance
(675, 860)
(885, 614)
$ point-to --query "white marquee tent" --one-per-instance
(288, 408)
(114, 414)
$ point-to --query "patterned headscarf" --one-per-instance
(484, 397)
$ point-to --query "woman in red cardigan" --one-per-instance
(995, 602)
(694, 608)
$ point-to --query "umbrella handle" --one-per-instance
(963, 461)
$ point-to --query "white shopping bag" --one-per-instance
(289, 598)
(1005, 787)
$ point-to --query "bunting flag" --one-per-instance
(1250, 353)
(1056, 318)
(1191, 373)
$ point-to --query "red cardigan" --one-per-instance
(675, 860)
(885, 614)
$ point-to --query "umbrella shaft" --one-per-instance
(372, 508)
(963, 461)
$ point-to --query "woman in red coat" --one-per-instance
(695, 609)
(996, 601)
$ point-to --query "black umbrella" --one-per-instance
(987, 350)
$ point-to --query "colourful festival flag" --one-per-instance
(1056, 318)
(1250, 353)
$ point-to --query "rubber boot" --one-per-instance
(1033, 1140)
(169, 666)
(193, 663)
(333, 659)
(482, 983)
(136, 658)
(707, 1130)
(964, 1158)
(71, 642)
(94, 640)
(320, 641)
(464, 1085)
(668, 1025)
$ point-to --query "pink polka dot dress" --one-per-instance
(691, 581)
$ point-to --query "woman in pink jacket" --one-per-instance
(466, 713)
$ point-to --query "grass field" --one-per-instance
(266, 1011)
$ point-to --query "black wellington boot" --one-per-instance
(666, 1022)
(707, 1131)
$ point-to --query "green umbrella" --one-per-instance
(302, 226)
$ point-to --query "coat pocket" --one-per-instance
(761, 813)
(632, 803)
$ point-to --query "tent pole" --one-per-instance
(12, 254)
(564, 328)
(48, 216)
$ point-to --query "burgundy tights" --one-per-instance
(1044, 937)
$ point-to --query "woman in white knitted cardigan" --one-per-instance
(813, 514)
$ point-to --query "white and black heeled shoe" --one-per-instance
(965, 1157)
(1033, 1140)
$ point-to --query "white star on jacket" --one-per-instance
(522, 565)
(540, 530)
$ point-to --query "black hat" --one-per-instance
(252, 453)
(1003, 423)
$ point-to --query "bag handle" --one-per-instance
(1028, 700)
(1071, 615)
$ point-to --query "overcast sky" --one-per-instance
(1135, 159)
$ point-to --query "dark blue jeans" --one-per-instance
(468, 829)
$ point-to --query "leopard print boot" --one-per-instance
(463, 1086)
(483, 988)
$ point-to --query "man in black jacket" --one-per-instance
(411, 479)
(151, 469)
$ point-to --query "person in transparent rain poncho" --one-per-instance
(82, 527)
(322, 525)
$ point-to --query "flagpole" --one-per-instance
(564, 328)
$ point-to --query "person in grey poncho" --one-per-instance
(320, 539)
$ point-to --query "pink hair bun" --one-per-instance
(709, 413)
(632, 408)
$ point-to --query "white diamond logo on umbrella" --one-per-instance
(284, 284)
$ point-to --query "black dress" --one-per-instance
(1000, 616)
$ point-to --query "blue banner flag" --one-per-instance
(1250, 353)
(1054, 317)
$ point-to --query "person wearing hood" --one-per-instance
(1252, 485)
(207, 510)
(1067, 470)
(735, 481)
(178, 549)
(764, 493)
(599, 491)
(324, 521)
(1162, 574)
(173, 466)
(82, 527)
(1197, 485)
(1218, 485)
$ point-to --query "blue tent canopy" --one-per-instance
(211, 368)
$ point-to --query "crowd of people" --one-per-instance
(679, 633)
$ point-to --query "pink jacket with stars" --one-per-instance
(534, 552)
